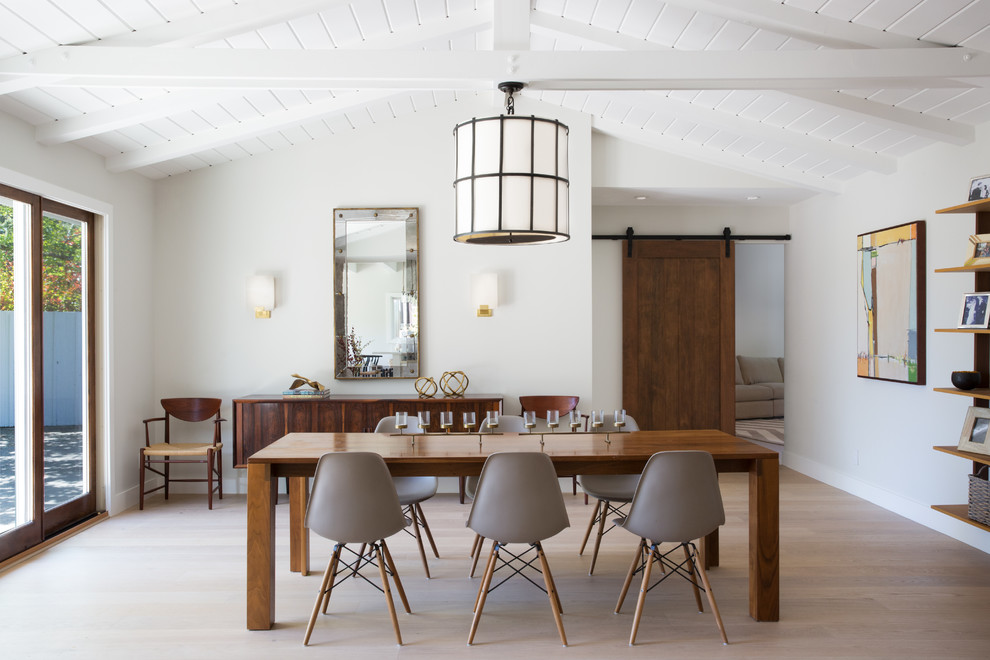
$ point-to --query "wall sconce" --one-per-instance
(484, 293)
(261, 295)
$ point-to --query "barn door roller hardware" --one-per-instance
(726, 236)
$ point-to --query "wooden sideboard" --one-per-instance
(261, 419)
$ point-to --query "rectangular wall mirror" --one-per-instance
(376, 293)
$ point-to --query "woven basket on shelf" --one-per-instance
(979, 497)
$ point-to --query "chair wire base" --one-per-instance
(517, 563)
(603, 510)
(371, 555)
(691, 569)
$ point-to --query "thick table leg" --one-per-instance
(262, 493)
(298, 534)
(764, 540)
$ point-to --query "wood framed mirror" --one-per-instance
(376, 293)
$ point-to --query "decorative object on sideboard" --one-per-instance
(965, 380)
(979, 188)
(890, 301)
(510, 178)
(427, 387)
(454, 383)
(975, 431)
(261, 295)
(303, 387)
(352, 347)
(974, 312)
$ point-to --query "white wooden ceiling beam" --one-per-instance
(927, 126)
(680, 147)
(202, 28)
(766, 132)
(115, 118)
(218, 24)
(882, 115)
(791, 21)
(244, 130)
(667, 69)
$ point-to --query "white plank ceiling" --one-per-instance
(811, 93)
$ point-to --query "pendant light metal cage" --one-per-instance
(511, 184)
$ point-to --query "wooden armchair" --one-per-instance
(541, 403)
(166, 453)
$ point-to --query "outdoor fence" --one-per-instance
(63, 376)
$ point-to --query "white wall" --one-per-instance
(126, 334)
(874, 438)
(272, 214)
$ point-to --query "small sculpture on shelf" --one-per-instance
(316, 389)
(454, 383)
(427, 387)
(965, 380)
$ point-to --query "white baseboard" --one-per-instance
(918, 512)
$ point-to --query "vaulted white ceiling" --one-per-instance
(811, 93)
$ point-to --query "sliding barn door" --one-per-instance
(678, 335)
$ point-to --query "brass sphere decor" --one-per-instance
(427, 387)
(454, 383)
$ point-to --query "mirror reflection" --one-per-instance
(376, 293)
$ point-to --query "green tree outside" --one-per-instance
(61, 275)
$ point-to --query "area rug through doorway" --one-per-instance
(763, 430)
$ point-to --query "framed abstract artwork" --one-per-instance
(890, 315)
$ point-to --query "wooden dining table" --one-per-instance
(295, 456)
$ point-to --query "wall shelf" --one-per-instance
(981, 354)
(978, 206)
(978, 393)
(959, 512)
(964, 269)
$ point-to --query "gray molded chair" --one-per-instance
(353, 501)
(413, 491)
(677, 501)
(506, 424)
(612, 492)
(518, 501)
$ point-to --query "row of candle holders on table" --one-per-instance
(575, 420)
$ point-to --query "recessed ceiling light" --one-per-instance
(641, 197)
(752, 197)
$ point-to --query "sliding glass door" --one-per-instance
(47, 468)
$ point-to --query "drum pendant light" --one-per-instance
(510, 179)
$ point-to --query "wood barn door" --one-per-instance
(678, 335)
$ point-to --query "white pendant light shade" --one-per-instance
(511, 181)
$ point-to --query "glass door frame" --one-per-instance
(44, 524)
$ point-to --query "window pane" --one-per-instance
(64, 350)
(16, 504)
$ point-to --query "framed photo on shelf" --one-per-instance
(978, 250)
(973, 313)
(975, 431)
(979, 188)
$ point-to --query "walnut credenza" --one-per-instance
(261, 419)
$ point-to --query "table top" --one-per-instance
(304, 448)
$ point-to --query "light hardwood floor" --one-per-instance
(856, 582)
